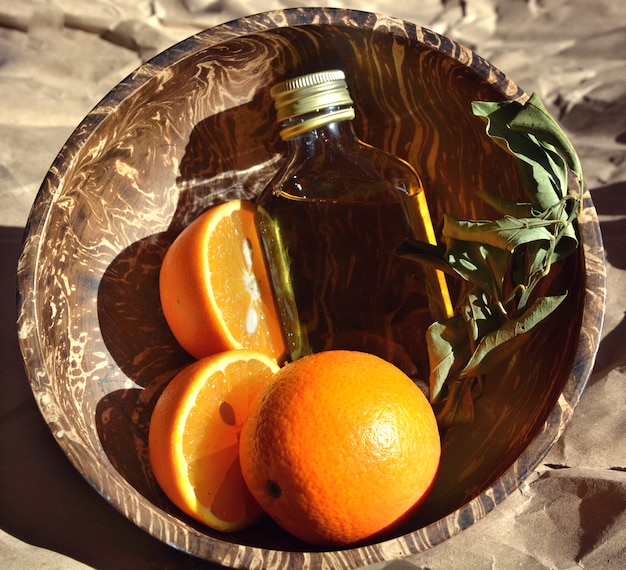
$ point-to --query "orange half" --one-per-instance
(194, 437)
(215, 288)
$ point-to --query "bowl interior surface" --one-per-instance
(195, 127)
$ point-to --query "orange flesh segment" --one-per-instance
(211, 445)
(240, 287)
(194, 437)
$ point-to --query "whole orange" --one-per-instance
(340, 447)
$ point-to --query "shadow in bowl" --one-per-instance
(130, 317)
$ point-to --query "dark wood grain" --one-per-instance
(195, 127)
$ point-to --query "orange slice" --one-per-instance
(215, 288)
(194, 437)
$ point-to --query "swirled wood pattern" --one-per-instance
(195, 127)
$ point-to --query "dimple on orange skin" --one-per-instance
(194, 437)
(340, 447)
(214, 287)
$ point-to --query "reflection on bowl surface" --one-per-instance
(195, 127)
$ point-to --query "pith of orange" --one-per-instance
(214, 285)
(194, 437)
(340, 447)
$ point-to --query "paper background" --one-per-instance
(58, 59)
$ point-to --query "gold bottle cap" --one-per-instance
(320, 97)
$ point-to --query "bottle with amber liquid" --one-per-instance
(330, 220)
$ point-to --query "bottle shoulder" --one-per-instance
(348, 171)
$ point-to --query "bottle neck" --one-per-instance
(336, 133)
(301, 123)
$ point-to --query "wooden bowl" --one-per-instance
(195, 127)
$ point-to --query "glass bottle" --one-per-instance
(330, 220)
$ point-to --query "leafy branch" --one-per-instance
(503, 260)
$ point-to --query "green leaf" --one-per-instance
(529, 266)
(508, 256)
(481, 317)
(533, 261)
(507, 207)
(536, 119)
(506, 233)
(543, 169)
(502, 343)
(459, 405)
(480, 264)
(448, 352)
(426, 253)
(531, 134)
